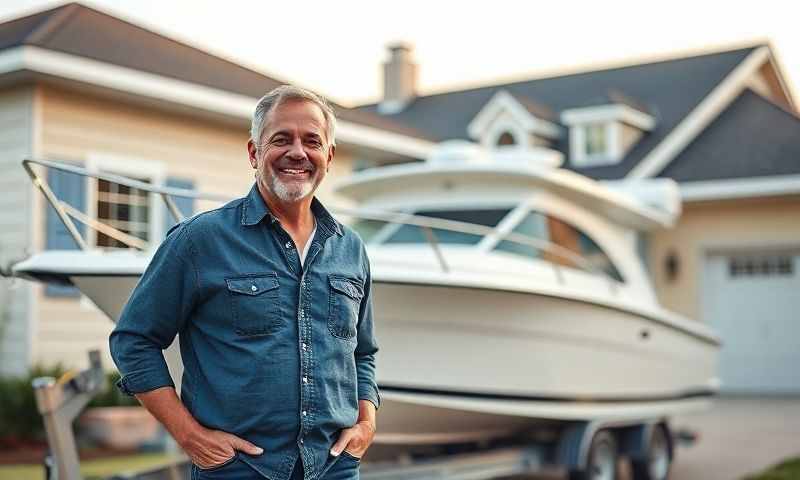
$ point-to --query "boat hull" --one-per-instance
(528, 346)
(477, 363)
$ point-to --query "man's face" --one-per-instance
(294, 153)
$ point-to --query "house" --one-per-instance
(80, 86)
(724, 125)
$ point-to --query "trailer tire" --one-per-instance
(656, 465)
(601, 462)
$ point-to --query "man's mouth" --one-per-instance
(295, 172)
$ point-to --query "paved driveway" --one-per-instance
(739, 436)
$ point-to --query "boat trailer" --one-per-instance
(580, 450)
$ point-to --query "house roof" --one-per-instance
(78, 30)
(615, 97)
(669, 90)
(753, 137)
(536, 109)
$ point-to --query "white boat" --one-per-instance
(508, 293)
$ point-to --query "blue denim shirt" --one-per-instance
(274, 352)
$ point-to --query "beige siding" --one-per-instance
(714, 226)
(16, 142)
(76, 127)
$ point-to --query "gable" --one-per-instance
(753, 137)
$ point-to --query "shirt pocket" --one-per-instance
(255, 303)
(345, 302)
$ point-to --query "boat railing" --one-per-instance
(68, 215)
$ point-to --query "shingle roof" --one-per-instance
(537, 109)
(615, 97)
(668, 89)
(79, 30)
(753, 137)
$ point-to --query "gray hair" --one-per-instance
(289, 92)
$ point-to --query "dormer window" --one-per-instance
(506, 139)
(603, 134)
(514, 126)
(596, 141)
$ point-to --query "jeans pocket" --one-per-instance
(344, 305)
(350, 456)
(255, 303)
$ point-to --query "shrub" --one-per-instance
(19, 418)
(111, 396)
(20, 421)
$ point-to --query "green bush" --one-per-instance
(111, 396)
(19, 418)
(20, 421)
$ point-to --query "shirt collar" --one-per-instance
(254, 209)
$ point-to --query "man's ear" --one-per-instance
(331, 154)
(251, 153)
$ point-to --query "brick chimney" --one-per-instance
(399, 79)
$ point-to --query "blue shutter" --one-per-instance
(185, 205)
(69, 188)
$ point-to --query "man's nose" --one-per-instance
(296, 150)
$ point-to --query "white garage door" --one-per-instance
(753, 301)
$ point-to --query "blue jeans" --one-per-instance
(344, 467)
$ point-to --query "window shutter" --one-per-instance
(69, 188)
(185, 205)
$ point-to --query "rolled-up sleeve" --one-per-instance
(156, 311)
(367, 346)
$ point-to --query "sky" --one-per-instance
(337, 47)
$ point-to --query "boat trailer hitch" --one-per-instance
(60, 402)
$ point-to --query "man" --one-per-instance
(272, 300)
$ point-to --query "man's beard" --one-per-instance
(291, 192)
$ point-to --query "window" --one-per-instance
(544, 227)
(761, 266)
(596, 140)
(124, 208)
(368, 229)
(414, 234)
(506, 139)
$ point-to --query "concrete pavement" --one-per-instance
(738, 436)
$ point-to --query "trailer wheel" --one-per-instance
(601, 463)
(659, 457)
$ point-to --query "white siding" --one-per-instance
(16, 127)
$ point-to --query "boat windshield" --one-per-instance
(558, 232)
(373, 230)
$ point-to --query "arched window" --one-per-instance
(505, 139)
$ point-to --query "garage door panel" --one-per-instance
(752, 299)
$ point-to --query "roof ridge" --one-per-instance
(582, 70)
(59, 16)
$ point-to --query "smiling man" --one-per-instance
(272, 300)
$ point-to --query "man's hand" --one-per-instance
(210, 448)
(207, 448)
(356, 439)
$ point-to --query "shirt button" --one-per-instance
(305, 413)
(288, 244)
(305, 347)
(305, 379)
(254, 288)
(301, 441)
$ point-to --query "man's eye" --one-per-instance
(280, 141)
